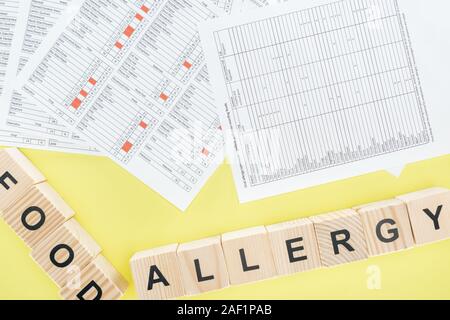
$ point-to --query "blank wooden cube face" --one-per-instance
(17, 175)
(157, 274)
(248, 255)
(429, 212)
(98, 281)
(65, 252)
(38, 213)
(387, 227)
(203, 266)
(341, 237)
(294, 246)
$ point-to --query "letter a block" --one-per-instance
(37, 214)
(386, 226)
(429, 212)
(157, 274)
(65, 252)
(294, 246)
(248, 255)
(203, 266)
(341, 237)
(17, 175)
(98, 281)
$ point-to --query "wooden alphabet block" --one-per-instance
(38, 213)
(429, 212)
(248, 255)
(17, 175)
(294, 246)
(341, 237)
(66, 251)
(386, 226)
(157, 274)
(203, 266)
(99, 280)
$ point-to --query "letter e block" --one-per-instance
(203, 266)
(17, 175)
(248, 255)
(37, 214)
(157, 274)
(99, 280)
(386, 226)
(341, 237)
(294, 246)
(65, 252)
(429, 212)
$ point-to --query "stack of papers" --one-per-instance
(303, 92)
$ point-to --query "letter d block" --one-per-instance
(429, 212)
(98, 281)
(37, 214)
(157, 274)
(65, 252)
(17, 175)
(203, 266)
(341, 237)
(387, 227)
(248, 255)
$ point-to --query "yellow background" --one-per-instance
(125, 216)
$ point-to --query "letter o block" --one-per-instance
(17, 175)
(157, 274)
(65, 252)
(98, 281)
(387, 227)
(341, 237)
(37, 214)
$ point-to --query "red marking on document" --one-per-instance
(205, 152)
(129, 31)
(187, 64)
(145, 9)
(83, 93)
(139, 17)
(164, 96)
(143, 125)
(118, 45)
(127, 146)
(76, 103)
(92, 81)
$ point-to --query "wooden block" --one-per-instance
(66, 251)
(429, 212)
(17, 175)
(341, 237)
(248, 255)
(203, 266)
(157, 274)
(386, 226)
(98, 281)
(38, 213)
(294, 246)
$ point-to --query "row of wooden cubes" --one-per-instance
(59, 245)
(263, 252)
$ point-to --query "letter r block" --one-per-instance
(386, 226)
(17, 175)
(429, 212)
(98, 281)
(341, 237)
(37, 214)
(157, 274)
(248, 255)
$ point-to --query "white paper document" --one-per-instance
(24, 123)
(130, 77)
(315, 91)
